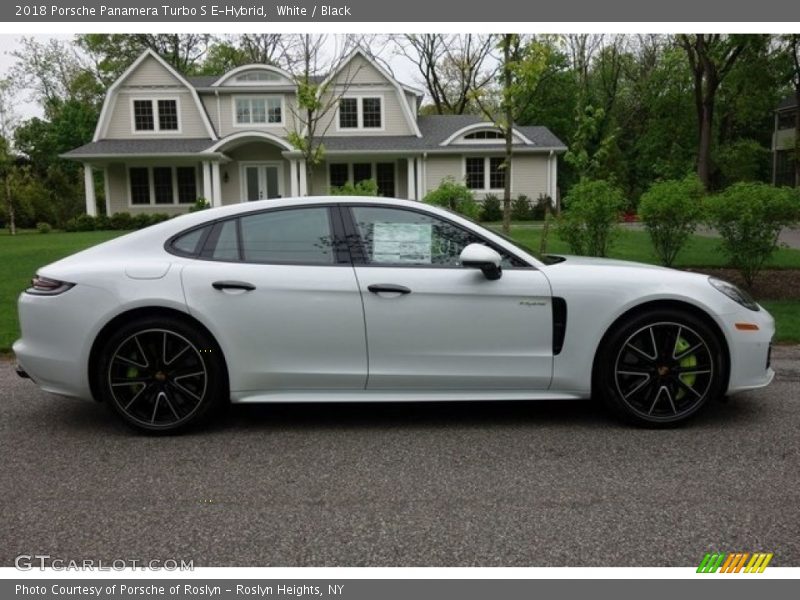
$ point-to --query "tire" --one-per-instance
(161, 375)
(660, 368)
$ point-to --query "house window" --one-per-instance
(383, 173)
(385, 179)
(140, 185)
(480, 171)
(167, 115)
(187, 185)
(786, 119)
(362, 171)
(475, 173)
(371, 113)
(155, 115)
(485, 135)
(348, 113)
(360, 113)
(143, 115)
(252, 76)
(497, 173)
(162, 185)
(338, 174)
(784, 168)
(259, 110)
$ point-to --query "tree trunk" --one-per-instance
(704, 144)
(797, 133)
(12, 226)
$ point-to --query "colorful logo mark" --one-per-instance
(735, 562)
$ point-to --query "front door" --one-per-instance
(435, 325)
(262, 181)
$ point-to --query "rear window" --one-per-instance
(189, 243)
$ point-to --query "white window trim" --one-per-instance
(486, 174)
(152, 185)
(251, 97)
(350, 163)
(156, 125)
(243, 164)
(360, 112)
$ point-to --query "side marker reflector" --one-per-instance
(746, 326)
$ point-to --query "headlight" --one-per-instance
(734, 293)
(42, 286)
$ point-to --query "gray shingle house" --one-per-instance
(783, 160)
(163, 140)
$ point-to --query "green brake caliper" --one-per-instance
(686, 361)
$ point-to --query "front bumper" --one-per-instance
(750, 350)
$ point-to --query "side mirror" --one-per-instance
(478, 256)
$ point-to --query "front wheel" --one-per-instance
(661, 367)
(161, 375)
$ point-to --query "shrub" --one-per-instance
(539, 208)
(200, 204)
(43, 227)
(521, 209)
(366, 187)
(121, 221)
(159, 218)
(102, 222)
(141, 220)
(455, 196)
(749, 217)
(85, 223)
(670, 211)
(589, 220)
(491, 209)
(71, 225)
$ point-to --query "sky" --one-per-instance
(403, 69)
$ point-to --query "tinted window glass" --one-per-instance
(227, 246)
(298, 236)
(187, 243)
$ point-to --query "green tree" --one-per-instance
(591, 213)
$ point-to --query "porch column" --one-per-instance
(293, 177)
(303, 180)
(207, 181)
(217, 183)
(412, 180)
(420, 178)
(553, 179)
(88, 184)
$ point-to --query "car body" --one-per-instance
(369, 299)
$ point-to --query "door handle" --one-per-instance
(233, 285)
(389, 288)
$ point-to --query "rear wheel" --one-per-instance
(161, 375)
(661, 367)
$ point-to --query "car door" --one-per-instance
(282, 301)
(435, 325)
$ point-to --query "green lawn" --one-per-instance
(20, 256)
(700, 251)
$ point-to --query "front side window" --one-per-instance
(402, 237)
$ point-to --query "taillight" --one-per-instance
(43, 286)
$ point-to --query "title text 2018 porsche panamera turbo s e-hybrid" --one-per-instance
(355, 299)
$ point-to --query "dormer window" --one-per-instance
(257, 76)
(259, 110)
(155, 115)
(361, 112)
(488, 134)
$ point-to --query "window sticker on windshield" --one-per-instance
(402, 243)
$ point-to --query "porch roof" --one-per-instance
(139, 147)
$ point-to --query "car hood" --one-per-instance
(566, 259)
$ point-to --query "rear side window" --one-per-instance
(188, 244)
(294, 236)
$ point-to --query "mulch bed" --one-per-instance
(770, 284)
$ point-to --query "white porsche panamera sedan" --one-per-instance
(358, 299)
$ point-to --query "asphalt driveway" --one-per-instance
(485, 484)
